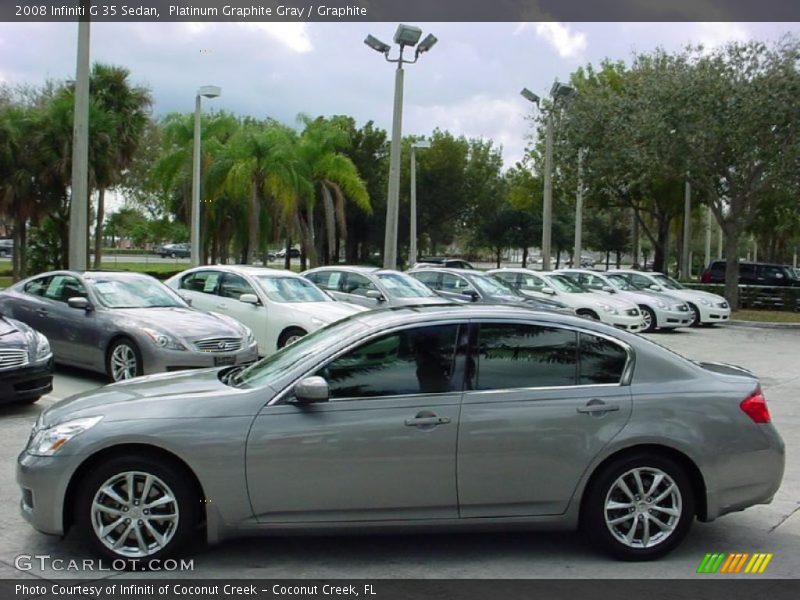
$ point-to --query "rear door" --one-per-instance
(200, 287)
(541, 402)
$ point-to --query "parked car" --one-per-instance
(125, 324)
(6, 248)
(293, 253)
(279, 306)
(401, 419)
(372, 287)
(175, 250)
(659, 311)
(26, 363)
(753, 273)
(706, 308)
(444, 262)
(465, 285)
(618, 312)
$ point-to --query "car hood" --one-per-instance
(419, 301)
(329, 311)
(645, 296)
(188, 323)
(696, 295)
(198, 393)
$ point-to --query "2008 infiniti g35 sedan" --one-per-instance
(439, 417)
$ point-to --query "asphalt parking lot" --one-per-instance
(770, 353)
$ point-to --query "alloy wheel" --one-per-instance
(124, 363)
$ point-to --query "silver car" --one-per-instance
(125, 324)
(372, 287)
(426, 418)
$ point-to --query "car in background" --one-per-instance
(279, 306)
(443, 262)
(372, 287)
(618, 312)
(706, 308)
(399, 419)
(26, 363)
(182, 250)
(6, 248)
(125, 324)
(753, 273)
(659, 311)
(466, 285)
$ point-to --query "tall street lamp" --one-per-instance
(558, 92)
(207, 91)
(406, 35)
(412, 249)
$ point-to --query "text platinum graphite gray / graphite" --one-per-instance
(243, 12)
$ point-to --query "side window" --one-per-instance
(326, 280)
(201, 281)
(591, 282)
(429, 279)
(524, 356)
(454, 283)
(38, 286)
(641, 281)
(747, 270)
(531, 282)
(357, 284)
(509, 278)
(63, 287)
(601, 360)
(233, 286)
(413, 361)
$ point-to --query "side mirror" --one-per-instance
(548, 290)
(79, 302)
(249, 299)
(311, 390)
(375, 295)
(471, 294)
(655, 287)
(608, 288)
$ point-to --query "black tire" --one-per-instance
(33, 400)
(172, 255)
(131, 345)
(603, 487)
(653, 322)
(176, 534)
(695, 315)
(287, 335)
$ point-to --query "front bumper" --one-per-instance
(714, 314)
(43, 481)
(670, 319)
(630, 323)
(27, 383)
(160, 360)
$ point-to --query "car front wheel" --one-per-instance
(649, 318)
(695, 316)
(639, 508)
(124, 361)
(290, 336)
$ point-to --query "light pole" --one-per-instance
(207, 91)
(576, 256)
(686, 267)
(557, 92)
(406, 35)
(412, 245)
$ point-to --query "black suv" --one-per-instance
(6, 248)
(751, 273)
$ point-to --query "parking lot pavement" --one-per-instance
(771, 354)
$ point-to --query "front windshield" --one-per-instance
(300, 352)
(622, 283)
(290, 289)
(139, 292)
(402, 286)
(564, 284)
(667, 282)
(492, 287)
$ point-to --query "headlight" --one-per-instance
(46, 442)
(162, 340)
(705, 301)
(251, 338)
(609, 309)
(42, 348)
(678, 307)
(661, 304)
(318, 322)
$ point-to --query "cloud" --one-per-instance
(565, 41)
(292, 35)
(713, 35)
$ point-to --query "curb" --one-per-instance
(763, 325)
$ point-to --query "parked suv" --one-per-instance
(6, 248)
(752, 273)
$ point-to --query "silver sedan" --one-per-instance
(431, 418)
(125, 324)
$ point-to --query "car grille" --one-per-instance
(723, 305)
(13, 358)
(634, 312)
(219, 345)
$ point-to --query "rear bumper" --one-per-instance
(26, 383)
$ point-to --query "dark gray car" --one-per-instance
(426, 418)
(125, 324)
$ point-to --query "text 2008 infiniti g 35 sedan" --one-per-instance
(437, 417)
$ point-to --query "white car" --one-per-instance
(620, 313)
(279, 306)
(705, 307)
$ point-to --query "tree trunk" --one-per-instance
(330, 222)
(255, 221)
(661, 246)
(98, 227)
(608, 259)
(497, 253)
(525, 257)
(287, 260)
(619, 259)
(731, 233)
(17, 256)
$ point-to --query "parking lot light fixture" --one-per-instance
(405, 36)
(206, 91)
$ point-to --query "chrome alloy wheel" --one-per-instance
(292, 339)
(134, 514)
(124, 364)
(643, 507)
(647, 320)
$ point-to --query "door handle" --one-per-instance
(423, 421)
(594, 407)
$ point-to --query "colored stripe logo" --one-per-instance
(735, 562)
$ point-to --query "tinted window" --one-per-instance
(358, 285)
(63, 287)
(429, 279)
(770, 272)
(327, 280)
(454, 283)
(413, 361)
(201, 281)
(747, 270)
(602, 361)
(233, 286)
(523, 356)
(38, 286)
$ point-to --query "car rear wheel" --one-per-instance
(124, 361)
(649, 318)
(639, 507)
(135, 507)
(695, 315)
(290, 336)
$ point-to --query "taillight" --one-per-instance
(755, 406)
(706, 276)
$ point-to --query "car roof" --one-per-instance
(248, 270)
(350, 268)
(448, 270)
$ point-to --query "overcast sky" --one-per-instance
(468, 84)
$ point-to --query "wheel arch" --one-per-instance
(287, 329)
